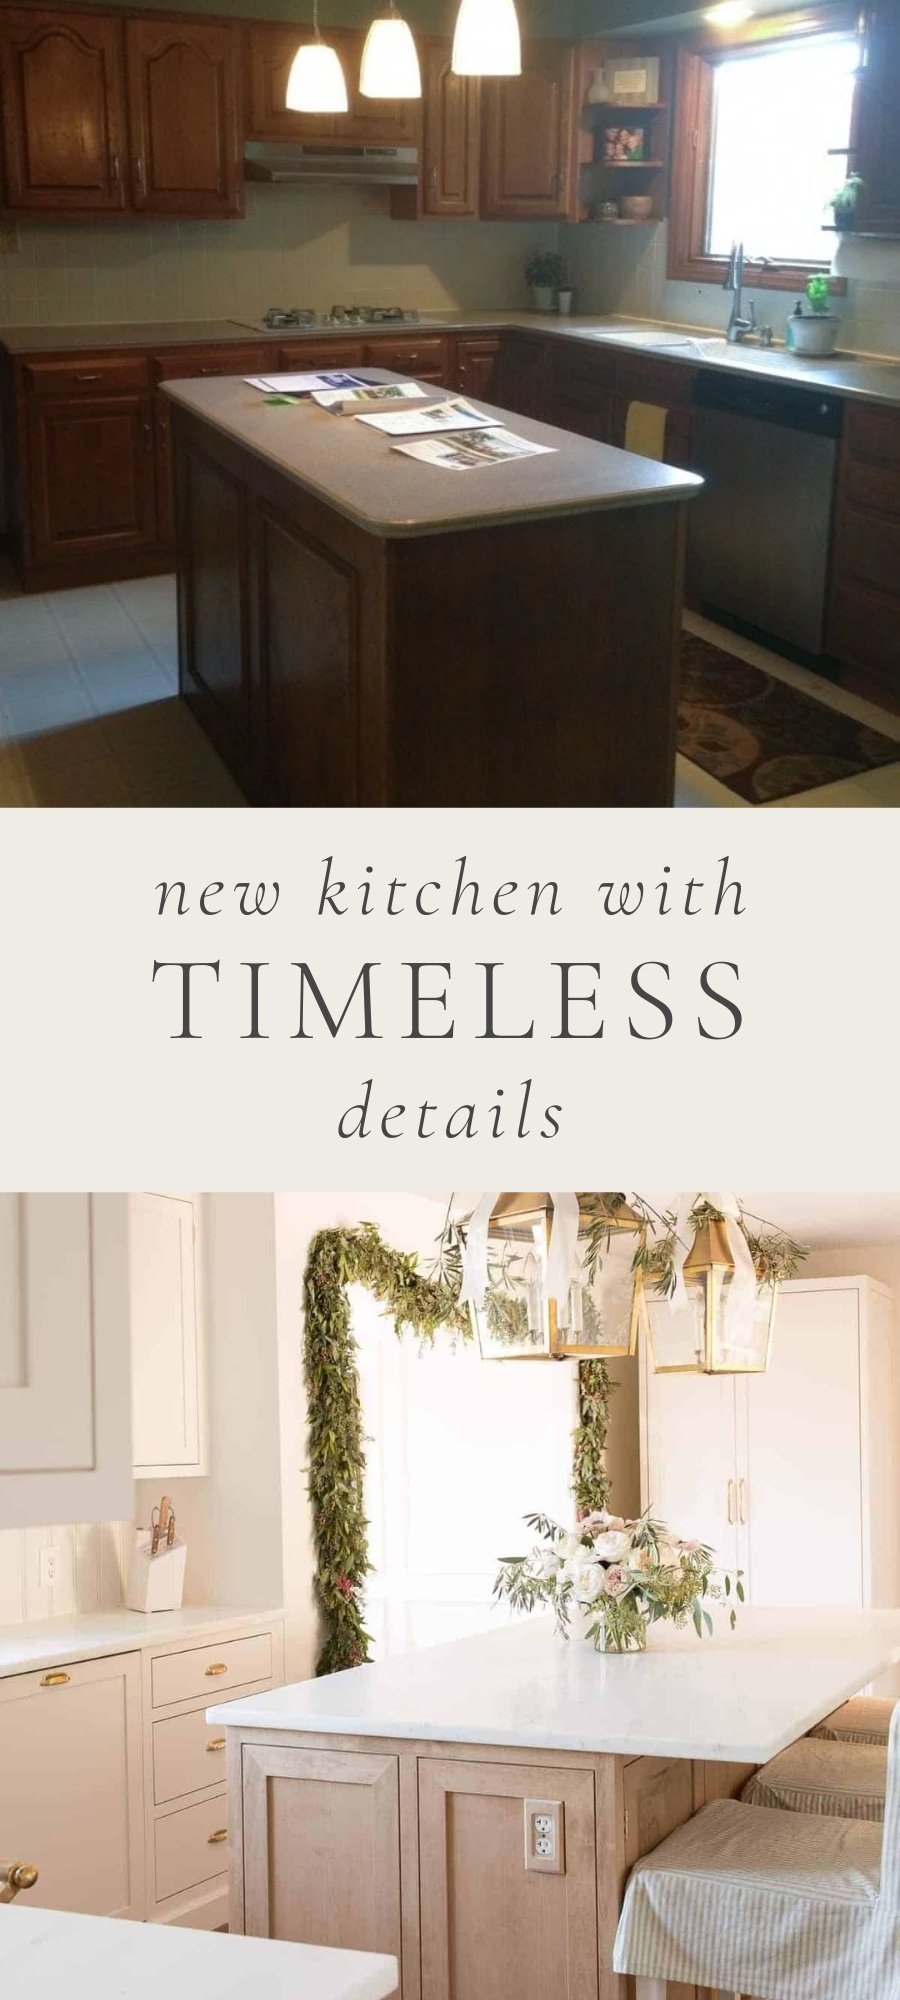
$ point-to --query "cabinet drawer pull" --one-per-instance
(87, 378)
(216, 1839)
(742, 1502)
(219, 1667)
(216, 1743)
(731, 1503)
(14, 1877)
(59, 1680)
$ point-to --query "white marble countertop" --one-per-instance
(48, 1952)
(49, 1642)
(740, 1696)
(871, 378)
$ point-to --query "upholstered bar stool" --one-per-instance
(865, 1719)
(839, 1780)
(772, 1905)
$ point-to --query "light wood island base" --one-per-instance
(418, 1848)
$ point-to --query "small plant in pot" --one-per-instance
(814, 330)
(546, 272)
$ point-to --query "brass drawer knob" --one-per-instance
(15, 1876)
(218, 1667)
(216, 1839)
(216, 1743)
(59, 1680)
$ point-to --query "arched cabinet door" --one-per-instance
(63, 99)
(183, 115)
(528, 171)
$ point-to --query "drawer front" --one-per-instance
(300, 354)
(874, 483)
(86, 374)
(211, 1670)
(668, 382)
(191, 1846)
(868, 548)
(873, 432)
(587, 367)
(191, 362)
(188, 1756)
(414, 355)
(864, 629)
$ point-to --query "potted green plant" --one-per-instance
(845, 201)
(545, 272)
(813, 329)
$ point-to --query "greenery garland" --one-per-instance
(339, 1258)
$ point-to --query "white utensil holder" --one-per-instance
(155, 1583)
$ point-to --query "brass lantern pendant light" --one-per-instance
(725, 1324)
(602, 1306)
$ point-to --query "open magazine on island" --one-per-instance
(467, 450)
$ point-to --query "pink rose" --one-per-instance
(617, 1581)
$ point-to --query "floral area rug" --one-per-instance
(761, 738)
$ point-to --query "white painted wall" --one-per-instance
(231, 1520)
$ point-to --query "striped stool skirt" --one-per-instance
(866, 1719)
(836, 1779)
(773, 1905)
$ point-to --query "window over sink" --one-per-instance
(763, 133)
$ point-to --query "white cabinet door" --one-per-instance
(689, 1475)
(65, 1432)
(71, 1794)
(167, 1375)
(802, 1491)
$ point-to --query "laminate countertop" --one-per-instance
(739, 1696)
(859, 377)
(48, 1952)
(351, 468)
(93, 1635)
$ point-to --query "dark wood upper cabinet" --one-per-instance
(270, 48)
(183, 102)
(63, 99)
(877, 151)
(529, 169)
(451, 138)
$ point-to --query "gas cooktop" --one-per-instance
(288, 318)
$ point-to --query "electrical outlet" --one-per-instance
(545, 1845)
(48, 1566)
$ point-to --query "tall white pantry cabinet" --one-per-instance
(793, 1476)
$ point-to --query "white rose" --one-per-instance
(588, 1581)
(544, 1562)
(614, 1546)
(568, 1546)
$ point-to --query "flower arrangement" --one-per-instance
(621, 1576)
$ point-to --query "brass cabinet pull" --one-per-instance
(216, 1839)
(731, 1503)
(219, 1667)
(216, 1743)
(59, 1680)
(15, 1876)
(742, 1502)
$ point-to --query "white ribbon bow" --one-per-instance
(742, 1296)
(563, 1261)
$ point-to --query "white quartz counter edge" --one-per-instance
(734, 1699)
(48, 1952)
(52, 1642)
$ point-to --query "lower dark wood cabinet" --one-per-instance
(863, 631)
(92, 486)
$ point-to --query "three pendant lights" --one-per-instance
(487, 42)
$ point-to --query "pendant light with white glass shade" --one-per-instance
(316, 82)
(488, 40)
(390, 61)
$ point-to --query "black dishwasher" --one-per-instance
(759, 532)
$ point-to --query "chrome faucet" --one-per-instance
(738, 327)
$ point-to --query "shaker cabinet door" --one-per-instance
(183, 100)
(494, 1928)
(528, 139)
(321, 1843)
(63, 112)
(166, 1333)
(65, 1421)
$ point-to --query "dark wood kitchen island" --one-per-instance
(357, 628)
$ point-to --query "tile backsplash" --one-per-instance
(624, 271)
(316, 246)
(91, 1578)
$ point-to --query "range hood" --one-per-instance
(378, 166)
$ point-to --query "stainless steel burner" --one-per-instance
(287, 316)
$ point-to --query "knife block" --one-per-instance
(155, 1583)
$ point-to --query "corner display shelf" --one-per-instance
(606, 180)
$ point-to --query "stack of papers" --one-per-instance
(454, 414)
(474, 448)
(351, 402)
(305, 384)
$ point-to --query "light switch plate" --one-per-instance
(545, 1836)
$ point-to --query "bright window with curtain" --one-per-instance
(780, 117)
